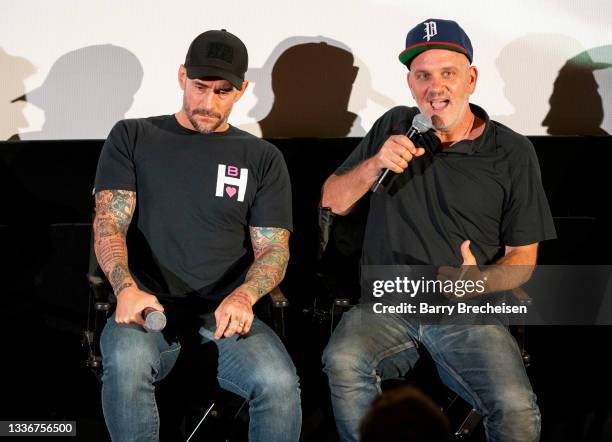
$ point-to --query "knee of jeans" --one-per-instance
(128, 353)
(279, 384)
(517, 412)
(342, 362)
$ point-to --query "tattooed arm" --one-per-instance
(114, 210)
(271, 249)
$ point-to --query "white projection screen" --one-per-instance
(322, 68)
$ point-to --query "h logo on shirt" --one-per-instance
(231, 181)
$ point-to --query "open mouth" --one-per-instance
(439, 105)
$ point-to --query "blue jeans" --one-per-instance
(255, 366)
(481, 363)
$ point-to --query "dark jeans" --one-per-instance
(255, 366)
(481, 363)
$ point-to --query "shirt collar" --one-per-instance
(471, 146)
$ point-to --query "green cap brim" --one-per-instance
(408, 54)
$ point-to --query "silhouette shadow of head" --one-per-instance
(576, 106)
(13, 71)
(528, 66)
(86, 91)
(312, 84)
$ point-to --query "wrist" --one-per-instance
(248, 293)
(125, 286)
(371, 169)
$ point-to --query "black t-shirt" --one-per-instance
(487, 190)
(197, 195)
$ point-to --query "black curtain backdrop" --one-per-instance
(45, 216)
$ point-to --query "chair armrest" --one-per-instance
(278, 298)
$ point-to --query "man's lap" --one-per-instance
(240, 357)
(480, 362)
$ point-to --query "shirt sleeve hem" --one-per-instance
(273, 224)
(526, 240)
(116, 186)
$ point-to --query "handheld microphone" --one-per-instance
(421, 123)
(154, 320)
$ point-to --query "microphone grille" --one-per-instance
(155, 321)
(422, 123)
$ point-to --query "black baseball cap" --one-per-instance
(217, 54)
(435, 33)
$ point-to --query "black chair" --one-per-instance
(218, 414)
(340, 239)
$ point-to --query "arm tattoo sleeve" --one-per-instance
(114, 210)
(271, 249)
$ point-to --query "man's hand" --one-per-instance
(341, 192)
(468, 258)
(234, 315)
(469, 271)
(130, 304)
(396, 153)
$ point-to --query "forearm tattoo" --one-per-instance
(118, 274)
(112, 250)
(271, 249)
(114, 210)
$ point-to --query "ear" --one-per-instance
(182, 76)
(239, 93)
(473, 78)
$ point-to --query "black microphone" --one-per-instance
(154, 320)
(421, 123)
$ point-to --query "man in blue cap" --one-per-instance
(470, 195)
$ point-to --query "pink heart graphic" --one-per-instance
(231, 191)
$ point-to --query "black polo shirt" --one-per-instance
(487, 190)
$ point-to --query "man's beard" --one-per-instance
(198, 125)
(437, 122)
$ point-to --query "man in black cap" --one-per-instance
(474, 196)
(211, 212)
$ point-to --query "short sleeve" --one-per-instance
(272, 204)
(116, 164)
(395, 121)
(526, 218)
